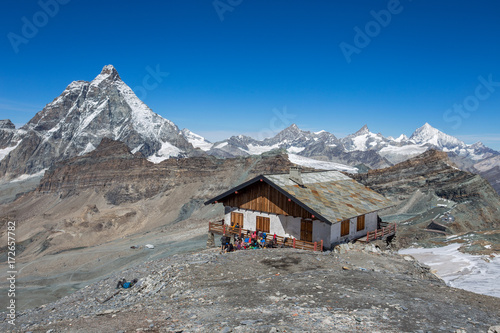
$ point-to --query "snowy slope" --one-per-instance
(197, 140)
(322, 165)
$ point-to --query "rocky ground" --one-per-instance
(356, 289)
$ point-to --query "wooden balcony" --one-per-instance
(380, 233)
(219, 227)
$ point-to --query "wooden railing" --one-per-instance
(220, 228)
(381, 233)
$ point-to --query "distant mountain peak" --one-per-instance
(363, 130)
(6, 123)
(108, 73)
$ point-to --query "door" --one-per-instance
(236, 219)
(306, 230)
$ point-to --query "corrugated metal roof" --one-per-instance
(332, 194)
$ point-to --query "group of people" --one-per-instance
(251, 240)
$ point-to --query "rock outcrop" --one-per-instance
(430, 185)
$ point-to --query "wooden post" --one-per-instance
(224, 229)
(321, 246)
(315, 243)
(383, 231)
(375, 233)
(294, 243)
(240, 231)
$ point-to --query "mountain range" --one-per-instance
(75, 122)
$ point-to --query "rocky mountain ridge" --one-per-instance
(429, 187)
(363, 149)
(327, 146)
(86, 112)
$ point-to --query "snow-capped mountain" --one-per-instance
(362, 147)
(75, 122)
(293, 139)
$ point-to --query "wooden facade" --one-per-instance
(262, 197)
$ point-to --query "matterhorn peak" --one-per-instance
(108, 73)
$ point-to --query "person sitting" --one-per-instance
(125, 285)
(254, 244)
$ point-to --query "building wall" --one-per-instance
(285, 226)
(262, 197)
(370, 225)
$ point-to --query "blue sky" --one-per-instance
(255, 67)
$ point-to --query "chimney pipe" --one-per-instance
(295, 175)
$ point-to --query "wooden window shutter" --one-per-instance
(361, 223)
(344, 228)
(263, 224)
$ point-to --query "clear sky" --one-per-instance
(254, 66)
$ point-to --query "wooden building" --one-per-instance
(317, 206)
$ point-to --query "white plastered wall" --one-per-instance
(370, 225)
(284, 226)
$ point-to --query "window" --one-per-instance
(361, 223)
(263, 224)
(344, 228)
(236, 219)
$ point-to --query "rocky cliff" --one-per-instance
(429, 187)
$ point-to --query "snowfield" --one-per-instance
(459, 270)
(323, 165)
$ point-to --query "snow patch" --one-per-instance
(25, 176)
(404, 150)
(166, 151)
(459, 270)
(257, 150)
(196, 140)
(5, 151)
(323, 165)
(88, 148)
(295, 150)
(220, 145)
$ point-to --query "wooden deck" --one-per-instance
(219, 227)
(379, 233)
